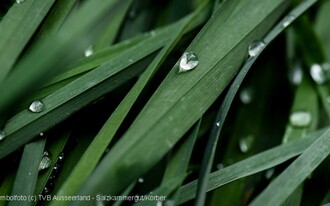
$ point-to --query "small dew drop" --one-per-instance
(296, 74)
(46, 190)
(89, 51)
(246, 95)
(288, 20)
(220, 166)
(188, 61)
(140, 180)
(2, 135)
(218, 124)
(328, 100)
(159, 203)
(269, 173)
(245, 143)
(37, 106)
(61, 157)
(169, 203)
(300, 118)
(41, 134)
(318, 74)
(19, 1)
(45, 161)
(153, 33)
(256, 47)
(56, 167)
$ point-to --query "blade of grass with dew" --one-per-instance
(178, 164)
(305, 101)
(280, 189)
(43, 63)
(224, 108)
(164, 190)
(17, 28)
(55, 148)
(252, 165)
(181, 99)
(62, 103)
(27, 174)
(313, 54)
(248, 129)
(111, 31)
(93, 154)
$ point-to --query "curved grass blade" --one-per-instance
(322, 28)
(252, 165)
(182, 98)
(224, 108)
(280, 189)
(6, 187)
(93, 154)
(17, 28)
(27, 173)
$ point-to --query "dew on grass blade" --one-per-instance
(188, 61)
(318, 74)
(89, 51)
(245, 143)
(256, 47)
(2, 135)
(159, 203)
(19, 1)
(246, 95)
(140, 180)
(45, 161)
(220, 166)
(288, 20)
(37, 106)
(300, 118)
(269, 173)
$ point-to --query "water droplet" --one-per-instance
(288, 20)
(140, 180)
(296, 74)
(61, 157)
(19, 1)
(218, 124)
(46, 190)
(245, 143)
(41, 134)
(300, 118)
(2, 135)
(169, 203)
(256, 47)
(89, 51)
(37, 106)
(29, 173)
(45, 161)
(246, 95)
(269, 173)
(220, 166)
(56, 167)
(159, 203)
(318, 74)
(188, 61)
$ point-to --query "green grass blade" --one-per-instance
(17, 28)
(56, 17)
(126, 192)
(322, 28)
(93, 154)
(252, 165)
(6, 187)
(27, 174)
(111, 31)
(279, 190)
(182, 98)
(224, 108)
